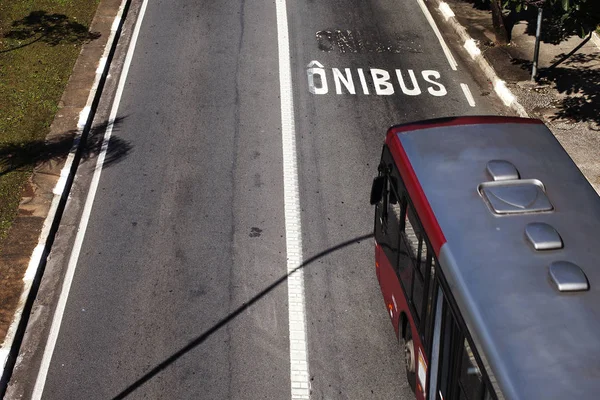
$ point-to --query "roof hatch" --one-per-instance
(502, 170)
(568, 277)
(543, 236)
(516, 196)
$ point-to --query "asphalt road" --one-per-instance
(188, 224)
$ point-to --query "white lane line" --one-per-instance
(87, 209)
(468, 94)
(300, 388)
(445, 47)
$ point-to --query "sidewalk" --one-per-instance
(566, 98)
(30, 236)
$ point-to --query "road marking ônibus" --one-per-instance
(40, 381)
(384, 83)
(293, 233)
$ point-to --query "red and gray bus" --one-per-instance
(488, 257)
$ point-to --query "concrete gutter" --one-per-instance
(471, 46)
(73, 117)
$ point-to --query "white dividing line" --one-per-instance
(87, 209)
(300, 388)
(468, 94)
(445, 47)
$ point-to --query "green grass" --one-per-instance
(39, 44)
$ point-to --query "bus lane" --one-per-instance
(357, 69)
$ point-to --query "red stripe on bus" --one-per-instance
(420, 202)
(454, 121)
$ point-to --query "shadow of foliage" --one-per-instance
(578, 59)
(582, 87)
(480, 4)
(579, 85)
(17, 156)
(53, 29)
(553, 29)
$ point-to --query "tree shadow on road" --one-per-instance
(26, 155)
(204, 336)
(52, 29)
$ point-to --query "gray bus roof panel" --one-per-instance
(541, 343)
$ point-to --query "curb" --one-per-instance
(470, 45)
(596, 39)
(33, 274)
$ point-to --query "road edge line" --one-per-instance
(60, 191)
(438, 34)
(507, 97)
(73, 259)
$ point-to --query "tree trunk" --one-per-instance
(498, 20)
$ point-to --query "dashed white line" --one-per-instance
(468, 94)
(445, 47)
(300, 388)
(87, 209)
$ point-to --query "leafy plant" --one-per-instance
(573, 16)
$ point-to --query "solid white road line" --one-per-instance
(468, 94)
(445, 47)
(87, 209)
(293, 233)
(38, 251)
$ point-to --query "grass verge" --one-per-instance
(40, 41)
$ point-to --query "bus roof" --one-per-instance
(489, 190)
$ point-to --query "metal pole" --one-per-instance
(536, 54)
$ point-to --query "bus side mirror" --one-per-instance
(377, 189)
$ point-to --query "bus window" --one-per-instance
(418, 293)
(459, 375)
(431, 289)
(414, 266)
(471, 384)
(406, 257)
(388, 212)
(423, 261)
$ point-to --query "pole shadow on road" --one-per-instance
(203, 337)
(15, 156)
